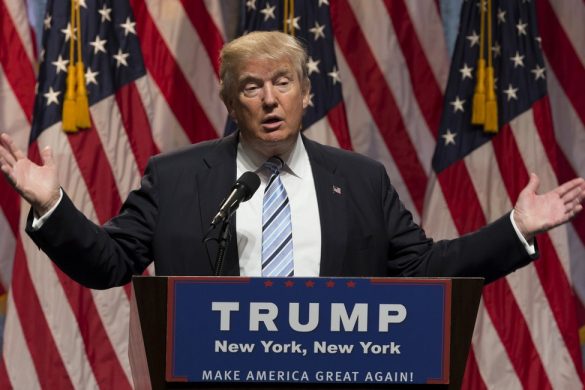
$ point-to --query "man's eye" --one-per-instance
(283, 84)
(251, 90)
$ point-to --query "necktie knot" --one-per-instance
(274, 164)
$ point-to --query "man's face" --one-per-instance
(269, 106)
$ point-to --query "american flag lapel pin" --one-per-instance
(336, 190)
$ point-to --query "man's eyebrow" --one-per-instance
(246, 78)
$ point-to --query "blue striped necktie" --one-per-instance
(277, 245)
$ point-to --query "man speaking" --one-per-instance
(318, 210)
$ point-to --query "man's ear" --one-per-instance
(306, 96)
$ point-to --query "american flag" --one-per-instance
(393, 68)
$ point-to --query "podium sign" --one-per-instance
(308, 330)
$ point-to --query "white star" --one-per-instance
(466, 72)
(449, 137)
(121, 58)
(251, 4)
(539, 40)
(521, 27)
(82, 3)
(458, 104)
(293, 23)
(538, 73)
(497, 50)
(98, 45)
(61, 64)
(511, 92)
(47, 22)
(480, 3)
(311, 96)
(334, 74)
(69, 32)
(473, 39)
(90, 76)
(105, 12)
(518, 60)
(268, 12)
(42, 55)
(313, 66)
(52, 96)
(128, 27)
(321, 2)
(501, 16)
(318, 31)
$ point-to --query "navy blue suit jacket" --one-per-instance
(366, 231)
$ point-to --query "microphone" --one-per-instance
(242, 191)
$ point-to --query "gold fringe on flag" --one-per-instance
(69, 106)
(289, 16)
(478, 108)
(82, 119)
(491, 104)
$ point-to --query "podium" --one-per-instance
(148, 347)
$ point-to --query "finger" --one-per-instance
(7, 156)
(533, 183)
(6, 169)
(47, 156)
(11, 146)
(569, 186)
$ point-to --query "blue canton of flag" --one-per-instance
(111, 55)
(519, 75)
(311, 23)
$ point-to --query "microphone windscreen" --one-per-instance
(250, 181)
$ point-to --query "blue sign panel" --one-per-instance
(312, 330)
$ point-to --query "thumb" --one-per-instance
(47, 156)
(533, 183)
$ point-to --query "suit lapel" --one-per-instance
(213, 185)
(329, 185)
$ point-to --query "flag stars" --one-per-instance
(321, 2)
(334, 74)
(293, 23)
(105, 13)
(121, 58)
(52, 96)
(90, 76)
(449, 137)
(47, 22)
(497, 50)
(473, 39)
(60, 64)
(501, 16)
(511, 92)
(317, 31)
(268, 12)
(313, 66)
(521, 27)
(466, 72)
(538, 72)
(458, 104)
(128, 27)
(518, 60)
(251, 5)
(81, 3)
(98, 45)
(69, 32)
(310, 99)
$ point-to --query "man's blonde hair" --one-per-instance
(259, 45)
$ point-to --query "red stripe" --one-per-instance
(16, 64)
(136, 124)
(208, 32)
(4, 380)
(338, 120)
(562, 57)
(46, 358)
(379, 99)
(472, 377)
(97, 172)
(9, 203)
(498, 298)
(552, 277)
(170, 78)
(424, 85)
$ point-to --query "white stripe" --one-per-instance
(437, 220)
(379, 32)
(431, 35)
(571, 14)
(191, 57)
(7, 249)
(569, 130)
(525, 283)
(15, 124)
(166, 130)
(108, 124)
(577, 253)
(492, 359)
(19, 364)
(322, 132)
(17, 11)
(365, 136)
(54, 303)
(216, 9)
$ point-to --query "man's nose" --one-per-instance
(268, 96)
